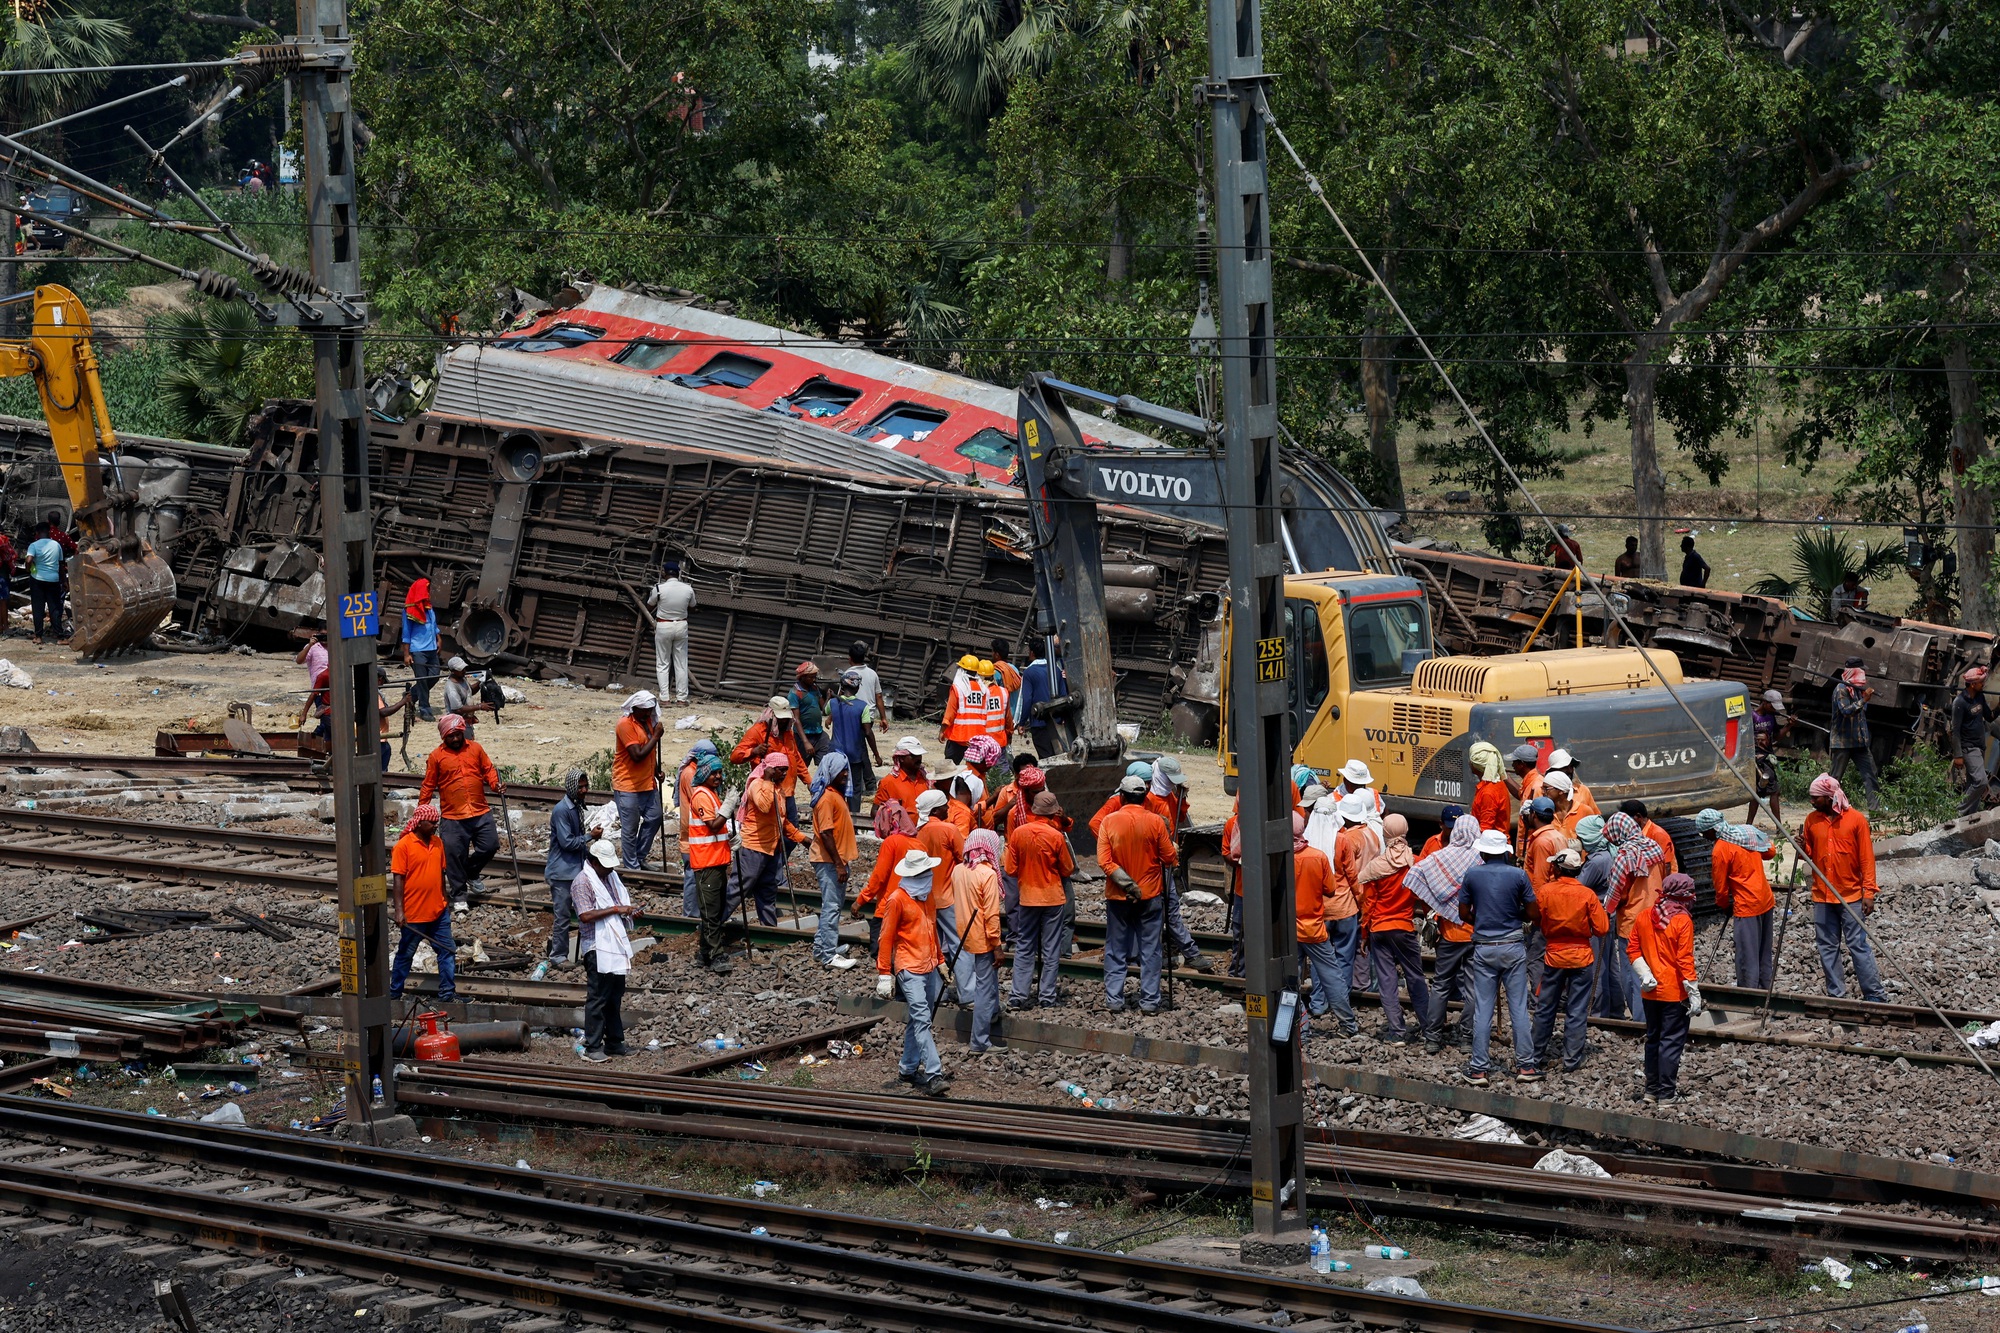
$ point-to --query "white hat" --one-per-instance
(1491, 843)
(1356, 774)
(1313, 792)
(1776, 699)
(455, 664)
(1356, 807)
(1561, 782)
(916, 862)
(605, 853)
(780, 706)
(1132, 784)
(909, 745)
(931, 800)
(1560, 759)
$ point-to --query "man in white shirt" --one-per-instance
(870, 694)
(671, 599)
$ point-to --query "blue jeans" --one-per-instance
(565, 915)
(438, 932)
(960, 975)
(638, 824)
(1833, 922)
(690, 897)
(1134, 929)
(1176, 925)
(1332, 965)
(920, 991)
(985, 996)
(1565, 991)
(1496, 964)
(425, 664)
(1618, 989)
(832, 897)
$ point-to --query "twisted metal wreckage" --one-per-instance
(541, 494)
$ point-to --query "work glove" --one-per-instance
(730, 801)
(1695, 1005)
(1647, 981)
(1125, 881)
(884, 984)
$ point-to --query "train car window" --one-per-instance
(991, 446)
(904, 419)
(817, 397)
(646, 354)
(555, 339)
(727, 369)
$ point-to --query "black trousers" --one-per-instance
(1451, 977)
(603, 1006)
(711, 890)
(468, 845)
(45, 599)
(1666, 1038)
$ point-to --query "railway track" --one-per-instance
(430, 1232)
(1183, 1154)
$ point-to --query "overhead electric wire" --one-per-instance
(225, 63)
(1799, 852)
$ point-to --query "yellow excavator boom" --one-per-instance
(121, 589)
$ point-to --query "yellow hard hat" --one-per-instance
(968, 663)
(985, 667)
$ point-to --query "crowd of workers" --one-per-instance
(43, 562)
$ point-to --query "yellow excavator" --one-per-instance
(119, 586)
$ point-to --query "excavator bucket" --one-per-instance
(119, 603)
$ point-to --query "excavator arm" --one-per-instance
(121, 588)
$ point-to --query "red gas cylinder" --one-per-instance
(433, 1044)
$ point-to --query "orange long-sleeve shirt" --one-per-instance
(759, 742)
(1111, 803)
(761, 818)
(1135, 839)
(941, 839)
(1543, 844)
(1665, 842)
(1491, 806)
(1669, 953)
(894, 848)
(1570, 917)
(1844, 850)
(1741, 886)
(459, 780)
(1352, 847)
(1172, 808)
(1387, 905)
(975, 892)
(1581, 803)
(960, 815)
(899, 786)
(1038, 856)
(909, 940)
(1312, 880)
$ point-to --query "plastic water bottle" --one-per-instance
(1342, 1266)
(1384, 1252)
(1074, 1089)
(1322, 1251)
(721, 1043)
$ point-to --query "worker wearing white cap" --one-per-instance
(1354, 846)
(906, 779)
(1581, 803)
(1167, 797)
(1356, 777)
(1497, 899)
(907, 962)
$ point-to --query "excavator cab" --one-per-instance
(120, 587)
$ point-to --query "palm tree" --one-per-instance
(970, 52)
(1821, 559)
(214, 386)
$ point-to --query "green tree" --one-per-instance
(1820, 560)
(223, 366)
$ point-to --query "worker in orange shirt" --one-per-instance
(776, 732)
(683, 785)
(766, 834)
(1435, 881)
(936, 834)
(975, 898)
(417, 903)
(1004, 670)
(964, 709)
(1135, 850)
(833, 852)
(1138, 768)
(1354, 846)
(1492, 806)
(897, 830)
(458, 775)
(1542, 838)
(907, 962)
(1571, 920)
(706, 814)
(1525, 785)
(1561, 792)
(635, 778)
(1837, 841)
(962, 791)
(1038, 857)
(1581, 801)
(1632, 888)
(1388, 915)
(1742, 889)
(1661, 838)
(1232, 860)
(997, 729)
(1312, 885)
(1662, 953)
(906, 779)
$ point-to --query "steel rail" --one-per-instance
(692, 1243)
(1078, 1145)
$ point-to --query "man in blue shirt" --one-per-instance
(567, 841)
(1497, 899)
(848, 718)
(45, 596)
(1041, 681)
(420, 643)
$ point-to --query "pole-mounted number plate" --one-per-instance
(350, 967)
(359, 615)
(1270, 659)
(370, 889)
